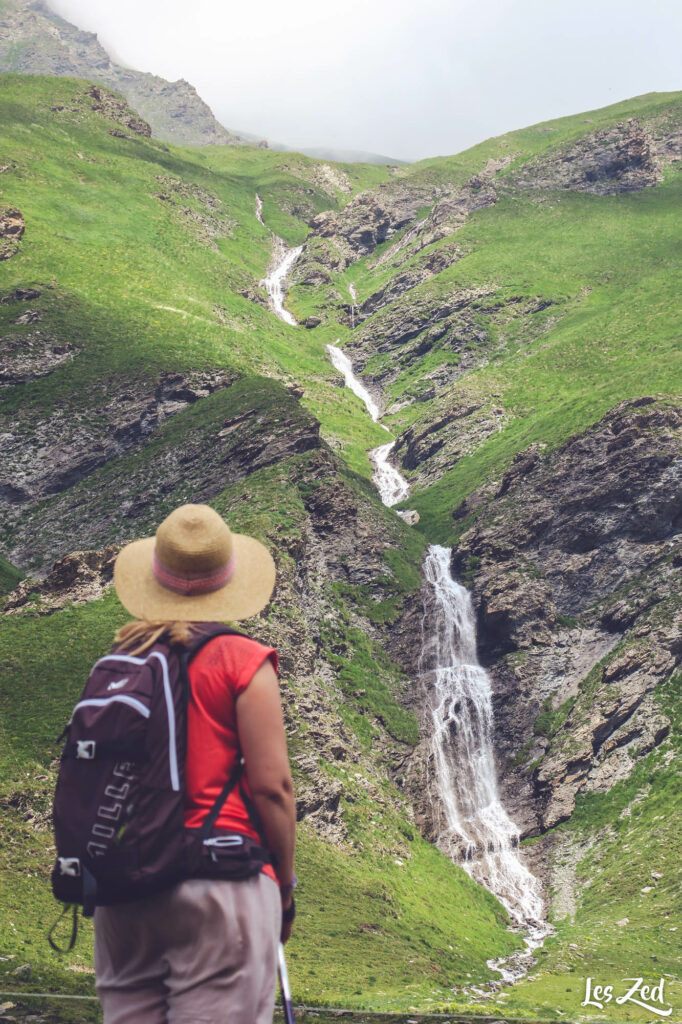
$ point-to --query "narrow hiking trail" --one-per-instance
(283, 260)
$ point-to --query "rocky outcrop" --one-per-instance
(68, 446)
(32, 355)
(36, 41)
(12, 227)
(589, 516)
(428, 317)
(369, 219)
(617, 159)
(436, 261)
(21, 295)
(574, 560)
(233, 435)
(76, 578)
(448, 214)
(602, 738)
(444, 219)
(112, 107)
(455, 428)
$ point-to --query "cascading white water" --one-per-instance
(259, 210)
(392, 487)
(475, 829)
(353, 303)
(274, 282)
(283, 261)
(342, 363)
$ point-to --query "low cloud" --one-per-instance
(406, 79)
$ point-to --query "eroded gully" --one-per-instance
(472, 826)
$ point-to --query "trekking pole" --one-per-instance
(284, 985)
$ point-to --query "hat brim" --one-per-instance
(246, 594)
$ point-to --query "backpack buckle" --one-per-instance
(85, 749)
(70, 866)
(217, 843)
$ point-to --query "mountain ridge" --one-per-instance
(36, 40)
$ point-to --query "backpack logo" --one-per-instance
(118, 685)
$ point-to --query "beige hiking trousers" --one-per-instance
(204, 951)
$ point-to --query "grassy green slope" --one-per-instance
(612, 260)
(145, 250)
(136, 284)
(609, 266)
(141, 283)
(9, 576)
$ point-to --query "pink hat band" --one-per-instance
(193, 583)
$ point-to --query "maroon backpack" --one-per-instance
(119, 804)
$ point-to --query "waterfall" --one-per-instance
(282, 264)
(342, 363)
(474, 829)
(392, 487)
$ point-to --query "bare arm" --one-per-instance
(260, 727)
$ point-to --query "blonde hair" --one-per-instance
(145, 634)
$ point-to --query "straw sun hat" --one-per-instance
(195, 570)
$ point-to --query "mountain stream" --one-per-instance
(474, 829)
(282, 263)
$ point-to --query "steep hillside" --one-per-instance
(142, 368)
(36, 41)
(512, 310)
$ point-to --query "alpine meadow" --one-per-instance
(512, 313)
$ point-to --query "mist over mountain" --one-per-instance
(342, 156)
(36, 41)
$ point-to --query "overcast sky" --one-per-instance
(406, 78)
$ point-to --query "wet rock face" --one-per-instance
(574, 559)
(620, 159)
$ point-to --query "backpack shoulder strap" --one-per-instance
(235, 777)
(209, 633)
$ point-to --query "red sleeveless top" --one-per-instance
(221, 670)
